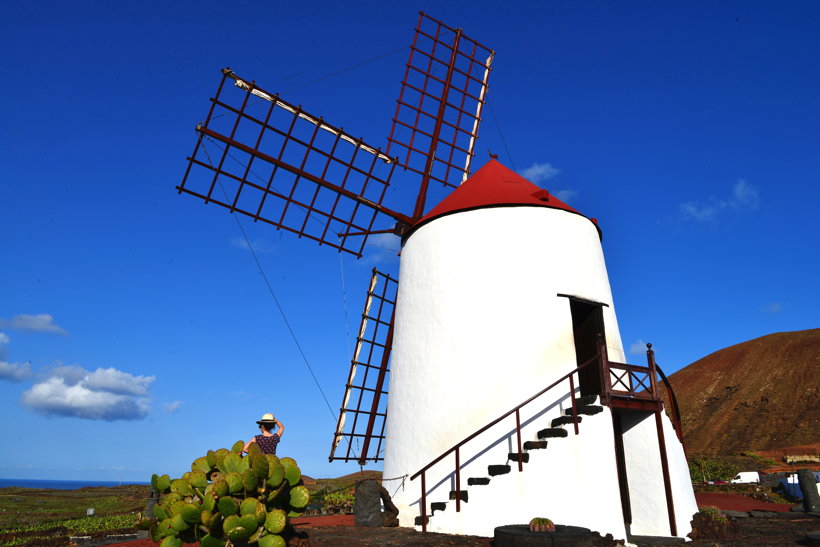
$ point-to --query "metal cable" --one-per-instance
(273, 294)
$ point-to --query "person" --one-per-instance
(268, 440)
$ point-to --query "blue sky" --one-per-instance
(136, 330)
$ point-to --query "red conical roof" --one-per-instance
(495, 186)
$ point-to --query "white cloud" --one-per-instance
(42, 322)
(565, 195)
(388, 246)
(744, 196)
(772, 308)
(172, 407)
(14, 372)
(104, 394)
(258, 245)
(538, 172)
(4, 340)
(638, 347)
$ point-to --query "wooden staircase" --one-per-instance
(623, 386)
(585, 405)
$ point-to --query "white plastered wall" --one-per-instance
(642, 459)
(479, 329)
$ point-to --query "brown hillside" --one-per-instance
(757, 395)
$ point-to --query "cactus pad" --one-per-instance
(272, 540)
(276, 474)
(275, 521)
(299, 497)
(181, 487)
(201, 464)
(197, 479)
(249, 481)
(171, 542)
(234, 482)
(211, 541)
(237, 447)
(232, 463)
(227, 506)
(248, 506)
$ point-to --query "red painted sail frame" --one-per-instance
(438, 111)
(365, 397)
(278, 164)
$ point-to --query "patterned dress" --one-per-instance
(267, 444)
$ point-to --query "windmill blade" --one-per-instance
(270, 160)
(365, 397)
(439, 106)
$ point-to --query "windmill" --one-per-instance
(495, 341)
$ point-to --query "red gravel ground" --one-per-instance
(340, 531)
(736, 502)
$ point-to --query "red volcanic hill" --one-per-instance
(757, 395)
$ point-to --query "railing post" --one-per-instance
(574, 407)
(606, 383)
(458, 482)
(518, 434)
(423, 503)
(653, 370)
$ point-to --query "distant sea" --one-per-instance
(60, 485)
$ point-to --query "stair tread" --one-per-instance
(552, 432)
(498, 469)
(535, 445)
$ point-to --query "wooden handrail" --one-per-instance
(676, 421)
(505, 415)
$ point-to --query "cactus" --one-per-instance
(292, 472)
(201, 464)
(299, 497)
(271, 540)
(226, 499)
(542, 525)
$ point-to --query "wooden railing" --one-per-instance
(516, 411)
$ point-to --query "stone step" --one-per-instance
(513, 456)
(418, 521)
(462, 494)
(588, 410)
(494, 470)
(564, 420)
(585, 400)
(478, 481)
(535, 445)
(438, 506)
(552, 433)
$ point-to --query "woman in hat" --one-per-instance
(268, 440)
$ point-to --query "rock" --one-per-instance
(811, 498)
(367, 509)
(812, 539)
(390, 515)
(736, 514)
(762, 514)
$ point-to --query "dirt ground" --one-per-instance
(781, 529)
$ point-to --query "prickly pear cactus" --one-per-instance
(227, 499)
(541, 525)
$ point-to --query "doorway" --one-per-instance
(587, 329)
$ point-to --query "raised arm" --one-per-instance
(281, 429)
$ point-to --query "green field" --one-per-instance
(30, 517)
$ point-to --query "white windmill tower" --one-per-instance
(495, 342)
